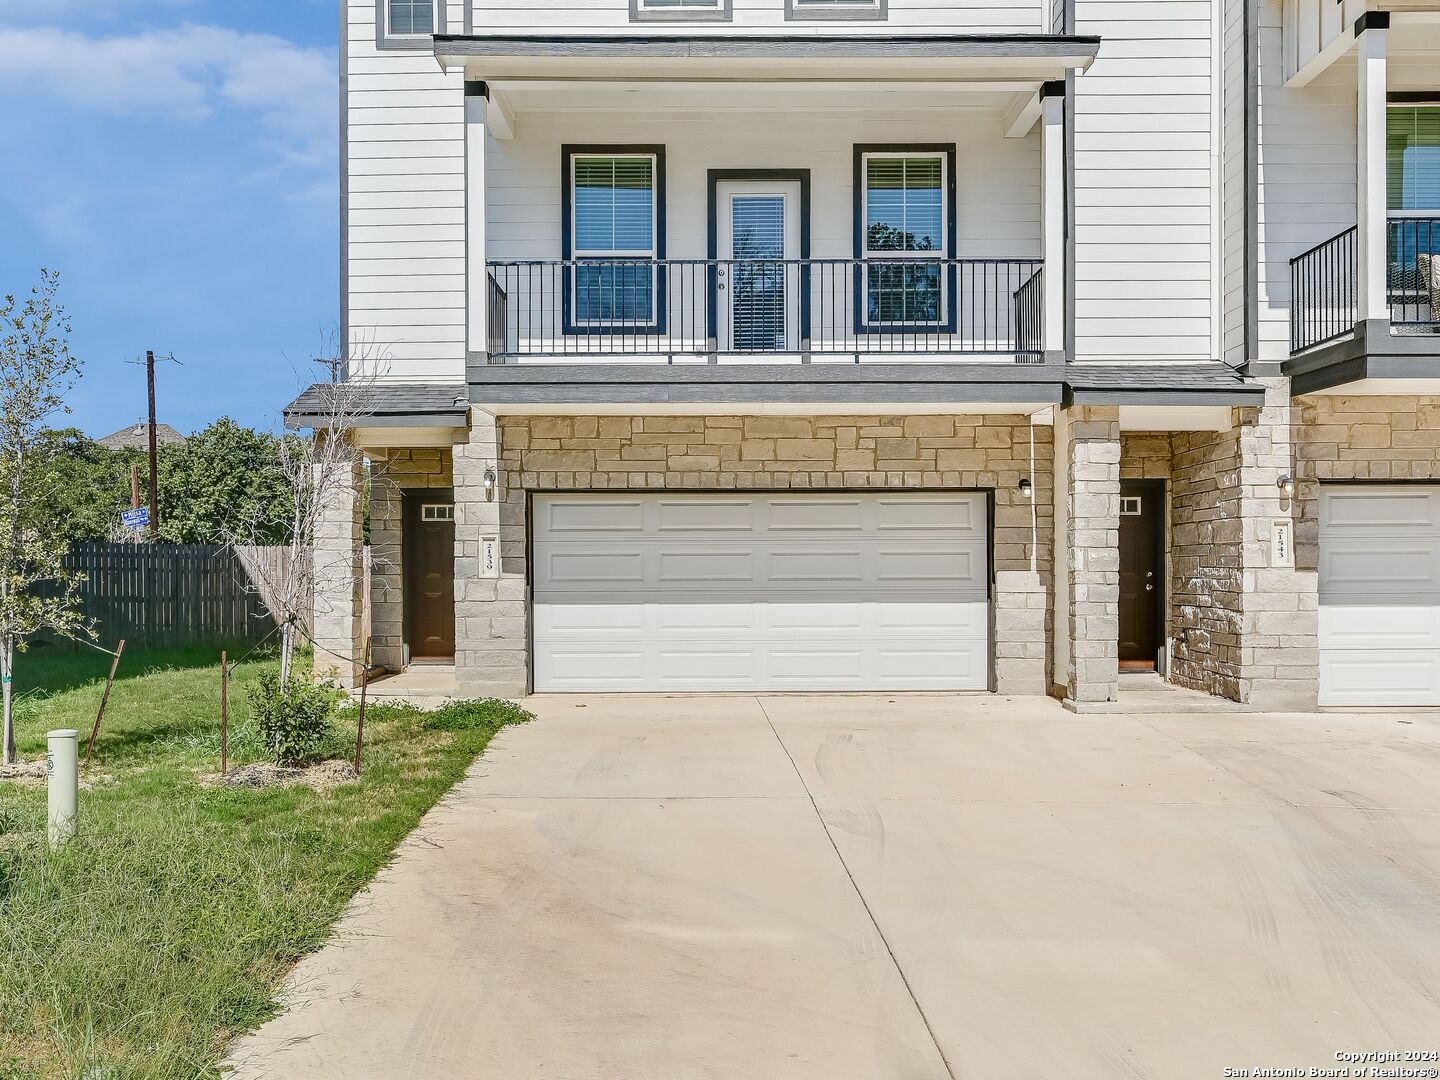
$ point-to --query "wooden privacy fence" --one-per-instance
(168, 594)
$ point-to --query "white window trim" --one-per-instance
(646, 11)
(384, 39)
(941, 255)
(437, 512)
(810, 11)
(577, 253)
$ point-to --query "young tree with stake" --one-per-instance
(37, 592)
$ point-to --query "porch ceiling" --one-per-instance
(525, 96)
(1015, 61)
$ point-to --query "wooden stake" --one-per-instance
(224, 715)
(364, 683)
(104, 700)
(154, 456)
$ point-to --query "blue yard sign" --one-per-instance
(135, 519)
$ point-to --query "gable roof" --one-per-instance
(137, 437)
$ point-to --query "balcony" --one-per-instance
(699, 311)
(1324, 283)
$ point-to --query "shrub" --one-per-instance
(492, 713)
(294, 717)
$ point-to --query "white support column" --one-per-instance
(477, 277)
(1370, 206)
(1052, 336)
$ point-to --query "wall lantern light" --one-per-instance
(1027, 489)
(1286, 484)
(489, 481)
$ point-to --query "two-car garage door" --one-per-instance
(751, 591)
(1380, 594)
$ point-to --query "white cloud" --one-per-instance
(183, 75)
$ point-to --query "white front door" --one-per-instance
(1379, 594)
(751, 591)
(757, 290)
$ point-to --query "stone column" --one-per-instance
(491, 619)
(339, 574)
(1020, 639)
(1279, 605)
(1092, 467)
(387, 568)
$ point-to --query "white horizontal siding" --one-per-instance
(1306, 173)
(1145, 229)
(405, 237)
(750, 16)
(998, 187)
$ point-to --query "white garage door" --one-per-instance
(1380, 594)
(760, 592)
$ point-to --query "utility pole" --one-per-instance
(134, 486)
(154, 454)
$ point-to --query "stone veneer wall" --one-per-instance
(1243, 628)
(1358, 438)
(565, 453)
(1145, 455)
(1092, 462)
(339, 577)
(392, 473)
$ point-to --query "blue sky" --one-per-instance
(176, 162)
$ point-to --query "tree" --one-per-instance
(89, 485)
(320, 477)
(36, 372)
(221, 478)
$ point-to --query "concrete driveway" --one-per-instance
(868, 888)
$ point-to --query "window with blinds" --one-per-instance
(836, 9)
(409, 18)
(757, 229)
(904, 213)
(614, 224)
(1412, 152)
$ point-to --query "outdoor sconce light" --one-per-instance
(1286, 484)
(1027, 489)
(489, 481)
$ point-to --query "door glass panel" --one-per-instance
(757, 232)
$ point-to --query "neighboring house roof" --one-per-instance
(137, 437)
(383, 405)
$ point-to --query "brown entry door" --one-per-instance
(1141, 573)
(430, 574)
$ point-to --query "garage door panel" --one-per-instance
(930, 515)
(1392, 510)
(817, 514)
(571, 516)
(1362, 567)
(702, 604)
(705, 516)
(1365, 677)
(695, 564)
(1356, 626)
(1380, 594)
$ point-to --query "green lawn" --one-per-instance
(164, 928)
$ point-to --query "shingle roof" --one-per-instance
(1210, 381)
(383, 404)
(137, 437)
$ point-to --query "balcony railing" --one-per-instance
(678, 310)
(1414, 273)
(1323, 303)
(1324, 299)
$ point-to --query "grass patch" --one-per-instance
(163, 929)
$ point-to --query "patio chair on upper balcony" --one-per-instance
(1429, 266)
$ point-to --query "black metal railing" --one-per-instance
(1323, 304)
(851, 308)
(497, 315)
(1413, 272)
